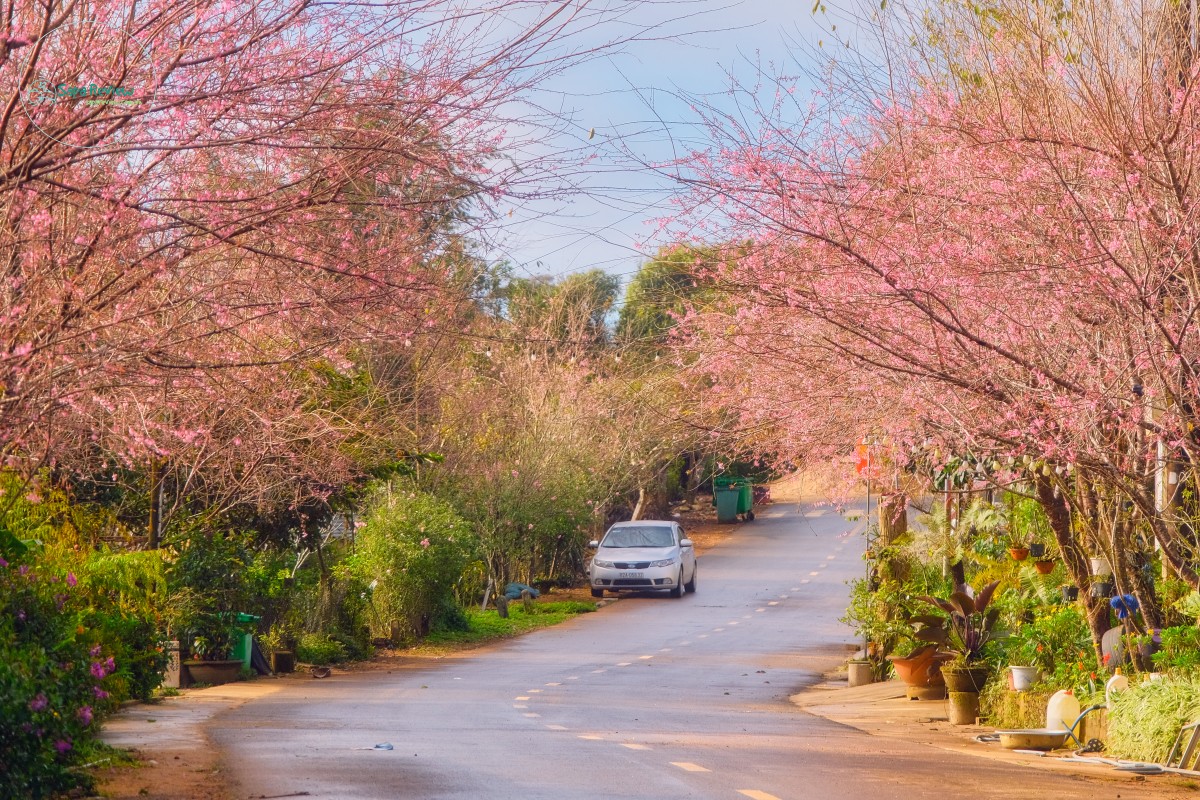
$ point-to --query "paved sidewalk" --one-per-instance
(881, 709)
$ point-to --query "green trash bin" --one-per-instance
(745, 498)
(725, 498)
(243, 637)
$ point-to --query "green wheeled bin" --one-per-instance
(243, 638)
(725, 498)
(745, 505)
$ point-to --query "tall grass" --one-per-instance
(1145, 719)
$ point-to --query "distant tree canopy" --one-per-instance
(661, 292)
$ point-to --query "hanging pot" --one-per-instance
(1019, 553)
(1070, 594)
(1037, 549)
(1100, 566)
(1044, 566)
(1102, 589)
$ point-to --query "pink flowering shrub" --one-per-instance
(55, 681)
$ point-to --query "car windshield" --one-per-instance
(649, 536)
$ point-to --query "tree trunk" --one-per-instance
(641, 501)
(1074, 557)
(156, 481)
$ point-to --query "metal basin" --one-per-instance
(1032, 739)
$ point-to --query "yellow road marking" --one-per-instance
(759, 610)
(755, 794)
(556, 727)
(522, 697)
(520, 705)
(531, 715)
(814, 573)
(599, 670)
(533, 691)
(643, 658)
(773, 603)
(592, 737)
(554, 684)
(635, 746)
(689, 766)
(624, 663)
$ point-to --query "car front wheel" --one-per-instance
(690, 586)
(678, 590)
(597, 593)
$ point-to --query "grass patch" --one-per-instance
(486, 626)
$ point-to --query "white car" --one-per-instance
(641, 555)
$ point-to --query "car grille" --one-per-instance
(632, 564)
(633, 582)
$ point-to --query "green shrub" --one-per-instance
(1145, 718)
(319, 648)
(54, 681)
(412, 551)
(1059, 643)
(1179, 649)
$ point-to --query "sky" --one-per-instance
(634, 100)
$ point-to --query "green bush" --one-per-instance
(54, 681)
(412, 551)
(319, 648)
(1059, 643)
(1179, 649)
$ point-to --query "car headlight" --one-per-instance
(601, 563)
(666, 562)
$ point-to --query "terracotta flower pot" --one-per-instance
(921, 673)
(1019, 553)
(1044, 566)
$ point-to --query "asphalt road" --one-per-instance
(651, 697)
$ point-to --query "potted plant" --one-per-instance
(1018, 550)
(212, 648)
(921, 672)
(1044, 566)
(963, 632)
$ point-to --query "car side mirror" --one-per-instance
(593, 544)
(685, 542)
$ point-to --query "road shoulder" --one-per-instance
(881, 709)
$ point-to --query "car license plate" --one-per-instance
(632, 575)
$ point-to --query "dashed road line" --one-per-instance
(635, 746)
(531, 715)
(521, 697)
(520, 705)
(556, 727)
(554, 684)
(643, 658)
(755, 794)
(759, 610)
(591, 737)
(806, 580)
(624, 663)
(773, 603)
(598, 670)
(814, 573)
(689, 766)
